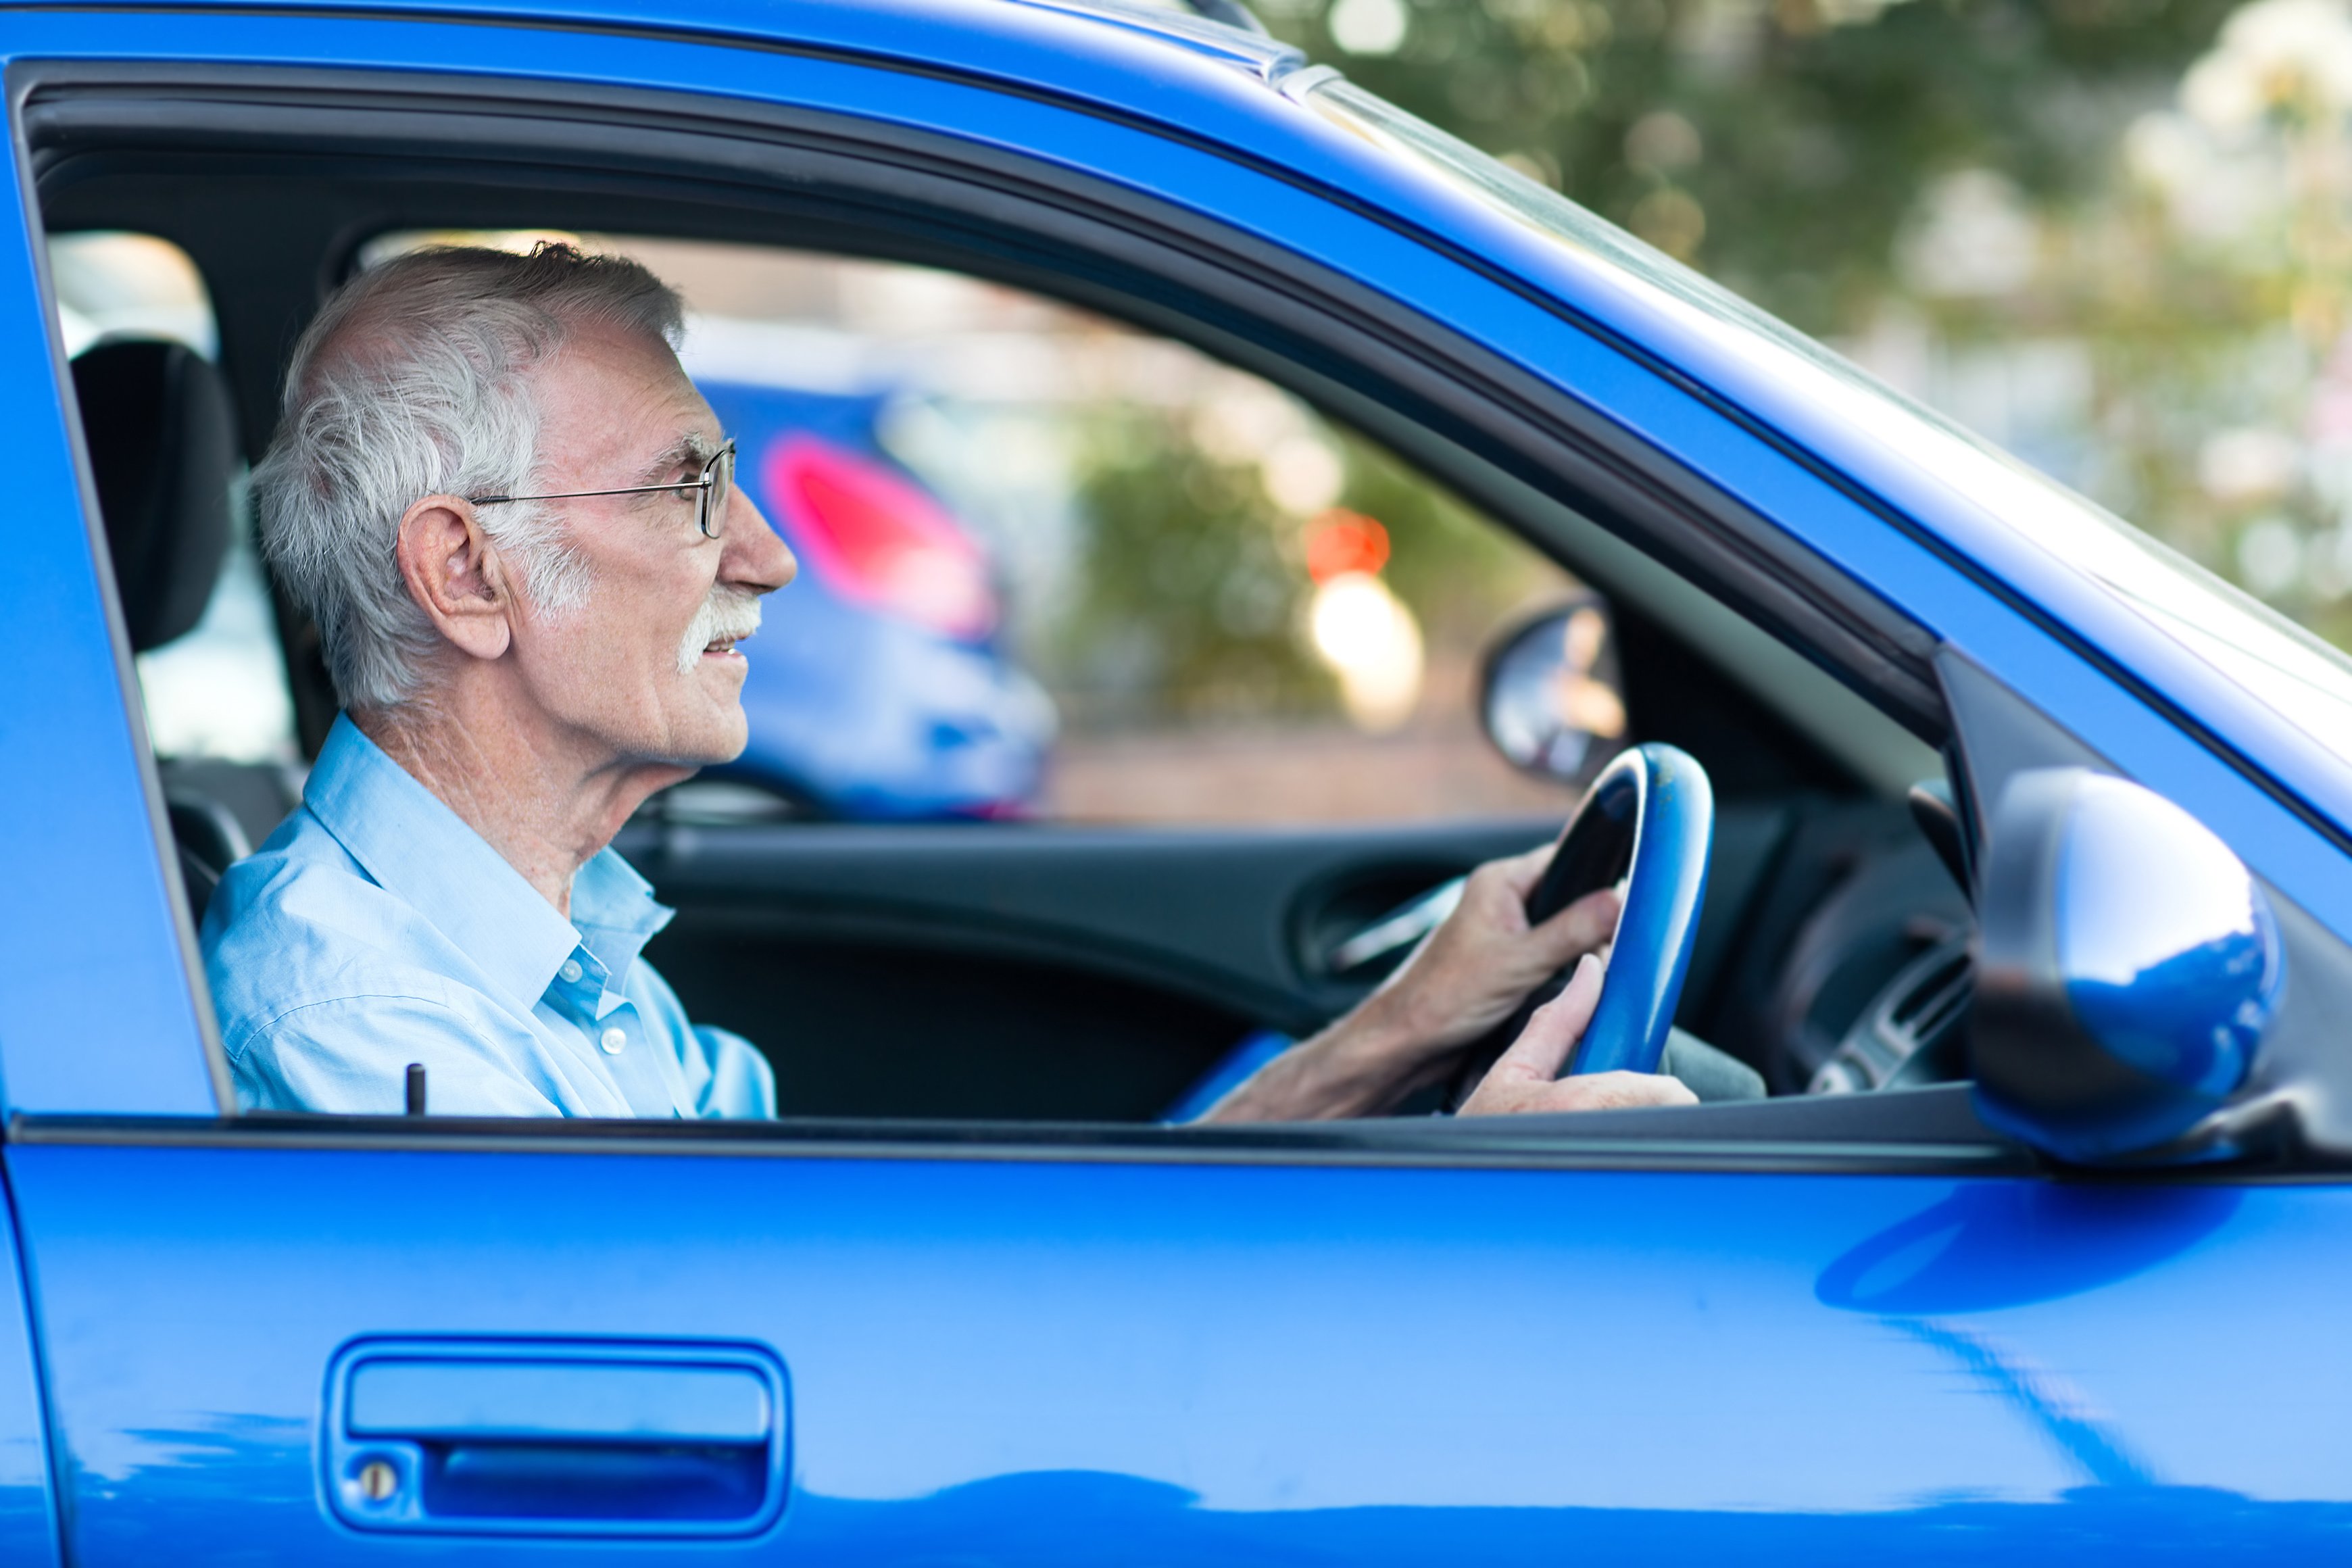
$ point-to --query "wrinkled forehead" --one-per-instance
(614, 389)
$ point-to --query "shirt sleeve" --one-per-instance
(741, 1083)
(719, 1073)
(350, 1056)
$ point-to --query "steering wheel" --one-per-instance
(1649, 820)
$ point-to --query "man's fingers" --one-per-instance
(1521, 872)
(1593, 1091)
(1581, 927)
(1543, 1047)
(1614, 1091)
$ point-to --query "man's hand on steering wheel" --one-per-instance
(1479, 965)
(1470, 974)
(1527, 1077)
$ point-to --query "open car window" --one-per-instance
(1128, 708)
(1054, 568)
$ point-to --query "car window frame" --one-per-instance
(1702, 528)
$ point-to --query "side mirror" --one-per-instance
(1549, 696)
(2127, 966)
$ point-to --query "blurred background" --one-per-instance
(2109, 235)
(1056, 567)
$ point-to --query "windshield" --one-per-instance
(2305, 680)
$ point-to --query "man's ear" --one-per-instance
(455, 576)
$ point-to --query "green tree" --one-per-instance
(1781, 147)
(1189, 588)
(1795, 150)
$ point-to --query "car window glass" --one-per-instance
(218, 691)
(1054, 566)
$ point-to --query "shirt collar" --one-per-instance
(416, 848)
(615, 912)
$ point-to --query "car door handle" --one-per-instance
(556, 1436)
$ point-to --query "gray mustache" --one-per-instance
(728, 613)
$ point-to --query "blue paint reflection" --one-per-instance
(2010, 1243)
(1050, 1519)
(2048, 1399)
(2169, 952)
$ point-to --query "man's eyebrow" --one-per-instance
(691, 450)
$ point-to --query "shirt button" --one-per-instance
(570, 971)
(613, 1040)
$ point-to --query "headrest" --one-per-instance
(163, 447)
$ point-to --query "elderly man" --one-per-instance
(514, 522)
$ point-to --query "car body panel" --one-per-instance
(28, 1533)
(104, 989)
(1249, 1362)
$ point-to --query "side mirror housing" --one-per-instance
(1549, 697)
(2127, 964)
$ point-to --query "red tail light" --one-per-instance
(877, 539)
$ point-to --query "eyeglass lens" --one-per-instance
(718, 490)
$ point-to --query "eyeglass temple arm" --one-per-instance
(702, 484)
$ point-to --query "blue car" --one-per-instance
(884, 693)
(2012, 854)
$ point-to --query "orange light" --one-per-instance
(1341, 542)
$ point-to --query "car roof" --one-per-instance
(887, 29)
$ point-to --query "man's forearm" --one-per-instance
(1360, 1066)
(1460, 983)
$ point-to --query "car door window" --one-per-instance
(1055, 567)
(1061, 568)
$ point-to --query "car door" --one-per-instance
(27, 1508)
(1833, 1329)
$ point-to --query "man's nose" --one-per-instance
(755, 556)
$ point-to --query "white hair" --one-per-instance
(415, 380)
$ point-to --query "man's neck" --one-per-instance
(534, 795)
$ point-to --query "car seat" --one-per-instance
(162, 454)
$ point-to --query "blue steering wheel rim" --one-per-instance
(1671, 805)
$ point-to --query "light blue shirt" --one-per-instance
(376, 928)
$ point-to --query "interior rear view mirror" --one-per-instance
(2127, 966)
(1551, 698)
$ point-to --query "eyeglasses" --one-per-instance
(713, 489)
